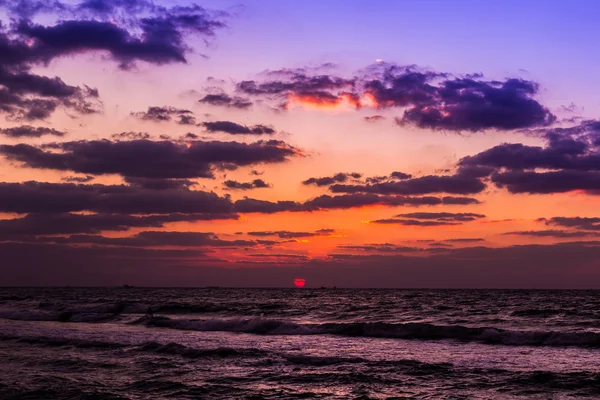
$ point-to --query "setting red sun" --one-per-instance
(299, 282)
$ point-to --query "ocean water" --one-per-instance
(141, 343)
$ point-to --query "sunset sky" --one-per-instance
(350, 143)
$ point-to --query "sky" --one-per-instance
(350, 143)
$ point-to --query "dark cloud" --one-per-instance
(438, 244)
(453, 184)
(26, 96)
(297, 83)
(248, 205)
(464, 240)
(394, 176)
(443, 216)
(78, 179)
(475, 105)
(412, 222)
(553, 233)
(302, 86)
(155, 239)
(563, 265)
(131, 136)
(400, 175)
(279, 255)
(236, 129)
(128, 31)
(166, 196)
(160, 114)
(374, 118)
(149, 159)
(380, 248)
(224, 100)
(520, 156)
(160, 183)
(186, 120)
(362, 199)
(326, 202)
(292, 235)
(68, 223)
(159, 38)
(430, 218)
(547, 182)
(30, 131)
(583, 223)
(431, 99)
(255, 184)
(330, 180)
(569, 161)
(37, 197)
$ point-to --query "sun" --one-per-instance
(299, 282)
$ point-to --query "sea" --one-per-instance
(217, 343)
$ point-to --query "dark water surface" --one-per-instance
(139, 343)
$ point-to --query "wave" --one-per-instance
(63, 342)
(151, 347)
(317, 361)
(191, 352)
(423, 331)
(65, 316)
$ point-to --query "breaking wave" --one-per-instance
(423, 331)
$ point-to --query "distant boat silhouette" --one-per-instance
(127, 286)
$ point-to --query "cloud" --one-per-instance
(291, 234)
(78, 179)
(249, 205)
(160, 114)
(475, 105)
(433, 100)
(301, 87)
(438, 244)
(380, 248)
(161, 38)
(25, 96)
(154, 239)
(326, 202)
(295, 83)
(412, 222)
(430, 219)
(166, 196)
(224, 100)
(149, 159)
(255, 184)
(68, 223)
(443, 216)
(553, 233)
(160, 183)
(374, 118)
(453, 184)
(583, 223)
(547, 182)
(394, 176)
(38, 197)
(131, 136)
(30, 131)
(329, 180)
(568, 161)
(563, 265)
(279, 255)
(236, 129)
(464, 240)
(128, 31)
